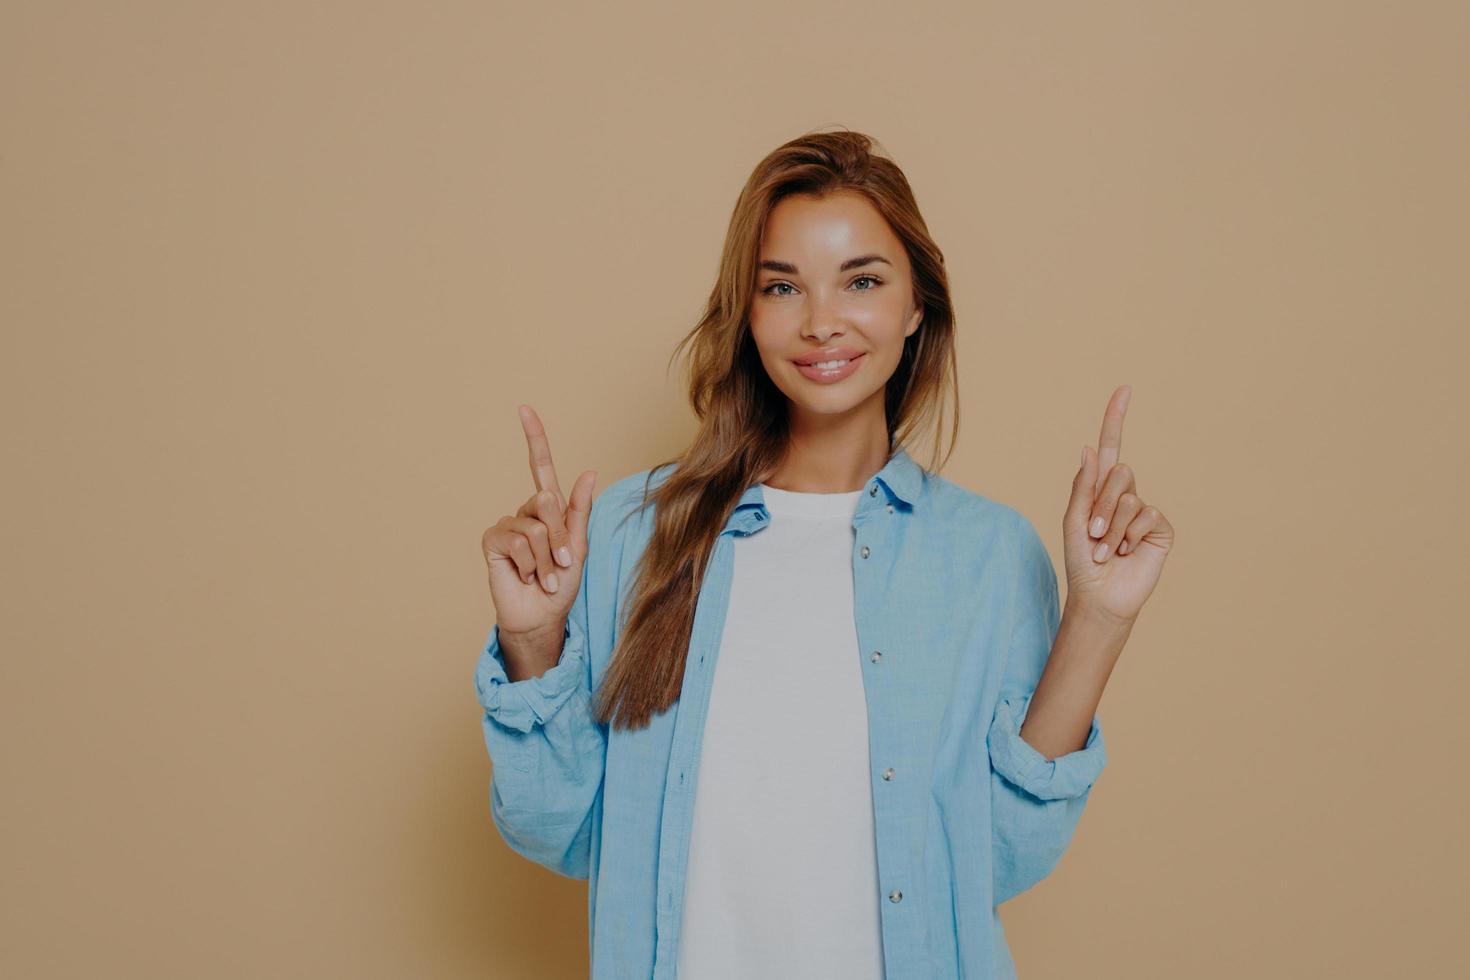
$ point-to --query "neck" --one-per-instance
(832, 455)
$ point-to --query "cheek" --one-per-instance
(770, 319)
(882, 324)
(770, 333)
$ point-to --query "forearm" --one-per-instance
(1071, 685)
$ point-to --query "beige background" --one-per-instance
(276, 276)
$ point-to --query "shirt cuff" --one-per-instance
(1016, 759)
(531, 700)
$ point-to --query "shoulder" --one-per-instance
(983, 521)
(619, 505)
(952, 502)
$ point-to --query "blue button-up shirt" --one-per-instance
(956, 608)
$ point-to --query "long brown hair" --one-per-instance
(742, 414)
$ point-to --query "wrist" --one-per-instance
(533, 652)
(1091, 614)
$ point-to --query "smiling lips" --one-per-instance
(832, 364)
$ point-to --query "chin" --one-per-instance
(836, 403)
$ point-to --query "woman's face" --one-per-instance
(832, 284)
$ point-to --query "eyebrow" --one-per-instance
(790, 269)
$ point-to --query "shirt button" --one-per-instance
(888, 773)
(865, 551)
(875, 656)
(895, 896)
(890, 508)
(873, 492)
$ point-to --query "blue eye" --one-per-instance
(770, 290)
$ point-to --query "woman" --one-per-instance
(901, 734)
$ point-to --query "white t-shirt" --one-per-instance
(782, 875)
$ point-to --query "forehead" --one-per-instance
(834, 227)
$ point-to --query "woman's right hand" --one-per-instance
(535, 555)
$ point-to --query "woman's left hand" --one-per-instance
(1114, 543)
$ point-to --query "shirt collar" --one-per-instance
(900, 476)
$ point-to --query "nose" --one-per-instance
(823, 321)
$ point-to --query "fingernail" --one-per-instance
(1097, 526)
(1101, 552)
(564, 555)
(551, 582)
(1123, 546)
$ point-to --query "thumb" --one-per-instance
(579, 511)
(1079, 508)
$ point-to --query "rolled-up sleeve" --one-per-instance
(547, 749)
(521, 704)
(1014, 758)
(1036, 802)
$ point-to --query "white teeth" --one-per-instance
(827, 365)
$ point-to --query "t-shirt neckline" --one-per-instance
(841, 504)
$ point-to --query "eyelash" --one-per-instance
(876, 283)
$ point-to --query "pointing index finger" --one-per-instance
(543, 471)
(1110, 439)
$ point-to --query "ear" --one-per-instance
(914, 321)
